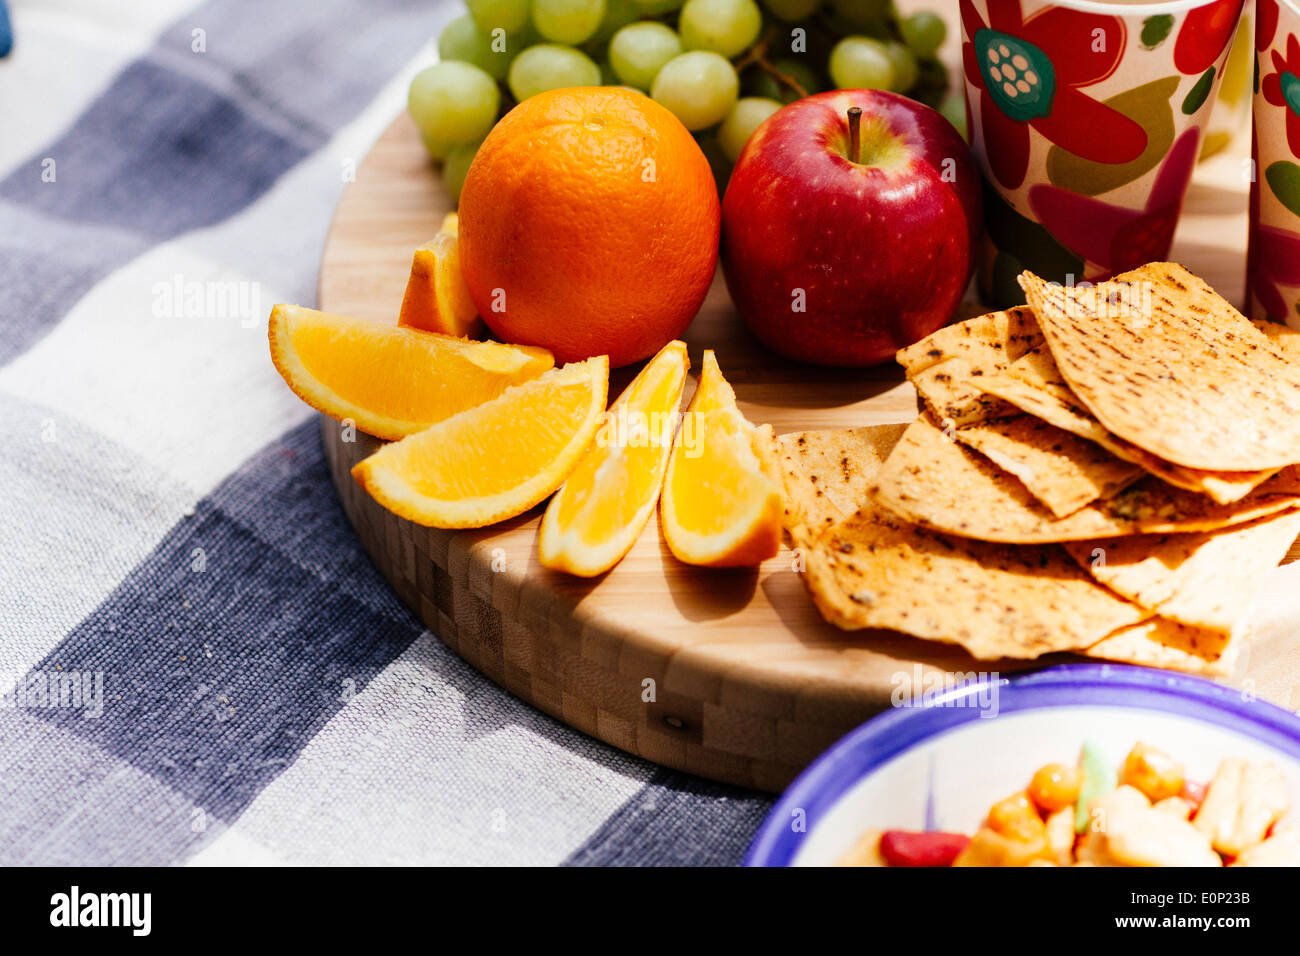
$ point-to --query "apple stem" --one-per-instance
(855, 134)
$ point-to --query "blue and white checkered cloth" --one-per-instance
(198, 663)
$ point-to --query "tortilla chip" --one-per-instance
(1034, 385)
(1164, 362)
(994, 600)
(975, 348)
(938, 484)
(1061, 470)
(1157, 642)
(1205, 580)
(825, 475)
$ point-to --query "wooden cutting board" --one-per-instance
(728, 674)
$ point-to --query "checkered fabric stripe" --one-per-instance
(199, 663)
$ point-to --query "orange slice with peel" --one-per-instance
(599, 513)
(392, 382)
(437, 299)
(721, 505)
(494, 461)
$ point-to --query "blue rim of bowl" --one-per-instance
(863, 750)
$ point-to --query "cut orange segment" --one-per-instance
(391, 381)
(437, 299)
(721, 506)
(494, 461)
(599, 513)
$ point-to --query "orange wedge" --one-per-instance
(720, 505)
(391, 381)
(599, 513)
(437, 299)
(494, 461)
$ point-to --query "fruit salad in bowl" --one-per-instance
(1082, 765)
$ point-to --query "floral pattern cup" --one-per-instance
(1086, 117)
(1273, 260)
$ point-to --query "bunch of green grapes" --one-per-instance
(721, 66)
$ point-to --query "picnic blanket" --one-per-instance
(197, 662)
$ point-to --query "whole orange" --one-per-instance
(589, 225)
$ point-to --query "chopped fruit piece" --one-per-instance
(990, 848)
(1156, 774)
(1245, 799)
(1016, 817)
(1055, 786)
(437, 299)
(720, 505)
(1099, 778)
(597, 516)
(494, 461)
(391, 381)
(904, 848)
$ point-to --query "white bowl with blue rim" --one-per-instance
(940, 764)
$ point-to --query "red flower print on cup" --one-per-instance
(1272, 259)
(1030, 73)
(1282, 88)
(1113, 237)
(1275, 261)
(1204, 34)
(1266, 17)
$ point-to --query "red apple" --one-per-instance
(840, 259)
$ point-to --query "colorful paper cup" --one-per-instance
(1086, 118)
(1273, 262)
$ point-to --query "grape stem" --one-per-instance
(855, 133)
(756, 55)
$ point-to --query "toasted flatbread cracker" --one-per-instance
(1206, 580)
(1034, 385)
(1061, 470)
(987, 341)
(937, 483)
(1284, 337)
(1157, 642)
(825, 475)
(951, 391)
(873, 570)
(1164, 362)
(944, 365)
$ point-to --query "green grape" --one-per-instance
(763, 84)
(618, 14)
(654, 8)
(954, 111)
(461, 39)
(456, 166)
(745, 117)
(906, 69)
(861, 63)
(549, 66)
(640, 50)
(723, 26)
(508, 15)
(924, 32)
(453, 102)
(567, 21)
(792, 10)
(438, 150)
(698, 87)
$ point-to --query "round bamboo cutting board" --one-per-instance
(728, 674)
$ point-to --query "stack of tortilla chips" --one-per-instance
(1110, 470)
